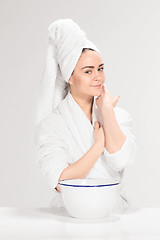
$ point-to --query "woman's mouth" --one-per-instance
(97, 86)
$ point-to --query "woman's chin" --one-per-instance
(97, 91)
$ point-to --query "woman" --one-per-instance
(84, 136)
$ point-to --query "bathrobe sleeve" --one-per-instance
(126, 155)
(51, 152)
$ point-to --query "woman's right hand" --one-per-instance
(99, 135)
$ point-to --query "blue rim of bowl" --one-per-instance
(99, 185)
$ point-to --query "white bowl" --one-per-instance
(89, 197)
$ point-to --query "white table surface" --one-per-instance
(46, 223)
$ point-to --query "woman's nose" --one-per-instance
(97, 76)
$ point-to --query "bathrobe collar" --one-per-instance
(77, 121)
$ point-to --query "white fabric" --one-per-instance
(65, 43)
(67, 134)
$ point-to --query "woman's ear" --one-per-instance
(70, 81)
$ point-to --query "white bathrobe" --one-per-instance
(66, 135)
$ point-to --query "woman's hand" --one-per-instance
(99, 135)
(106, 99)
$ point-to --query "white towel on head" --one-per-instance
(65, 43)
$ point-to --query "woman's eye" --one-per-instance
(101, 68)
(87, 71)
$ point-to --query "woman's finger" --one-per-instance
(116, 99)
(105, 89)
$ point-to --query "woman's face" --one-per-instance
(88, 72)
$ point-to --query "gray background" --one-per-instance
(128, 34)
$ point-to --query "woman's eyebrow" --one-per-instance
(92, 66)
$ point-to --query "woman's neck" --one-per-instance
(85, 103)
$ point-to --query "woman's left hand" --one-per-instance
(106, 99)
